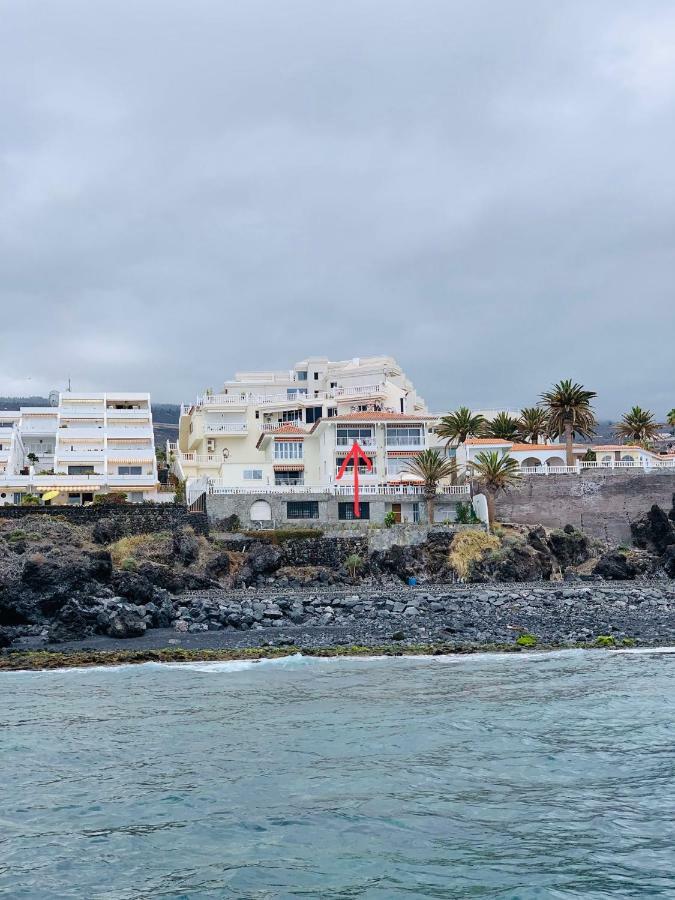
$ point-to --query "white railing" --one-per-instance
(363, 472)
(619, 465)
(80, 412)
(225, 428)
(363, 390)
(83, 453)
(131, 480)
(113, 413)
(404, 444)
(342, 443)
(200, 459)
(219, 486)
(271, 427)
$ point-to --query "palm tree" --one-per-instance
(494, 472)
(637, 425)
(431, 467)
(457, 426)
(503, 426)
(569, 410)
(533, 424)
(670, 418)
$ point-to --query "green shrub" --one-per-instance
(30, 500)
(628, 642)
(389, 519)
(111, 498)
(129, 564)
(526, 640)
(465, 514)
(605, 640)
(353, 563)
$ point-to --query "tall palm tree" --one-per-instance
(533, 424)
(502, 426)
(494, 472)
(431, 467)
(457, 426)
(569, 410)
(670, 418)
(637, 425)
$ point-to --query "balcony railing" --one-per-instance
(127, 413)
(619, 466)
(346, 442)
(225, 428)
(220, 486)
(363, 390)
(200, 459)
(404, 443)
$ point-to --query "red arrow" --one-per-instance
(355, 454)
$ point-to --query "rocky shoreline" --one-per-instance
(463, 618)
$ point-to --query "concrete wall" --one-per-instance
(221, 506)
(601, 503)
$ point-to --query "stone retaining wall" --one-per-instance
(135, 519)
(602, 504)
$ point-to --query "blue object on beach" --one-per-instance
(412, 581)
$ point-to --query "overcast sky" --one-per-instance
(485, 190)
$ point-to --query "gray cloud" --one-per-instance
(483, 190)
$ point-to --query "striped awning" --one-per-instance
(289, 467)
(403, 452)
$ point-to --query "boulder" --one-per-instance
(263, 559)
(570, 547)
(134, 587)
(668, 561)
(185, 545)
(5, 638)
(615, 566)
(218, 566)
(654, 531)
(122, 620)
(107, 531)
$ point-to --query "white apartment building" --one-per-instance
(220, 433)
(289, 432)
(85, 445)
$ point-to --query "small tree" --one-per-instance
(30, 500)
(494, 473)
(533, 424)
(33, 458)
(431, 467)
(353, 564)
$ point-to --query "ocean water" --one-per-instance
(509, 776)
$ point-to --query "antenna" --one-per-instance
(69, 387)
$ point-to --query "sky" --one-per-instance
(484, 190)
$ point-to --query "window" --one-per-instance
(210, 445)
(346, 511)
(302, 376)
(416, 512)
(363, 469)
(252, 474)
(288, 449)
(306, 509)
(345, 437)
(130, 470)
(291, 415)
(316, 376)
(80, 470)
(313, 414)
(292, 478)
(400, 436)
(398, 464)
(135, 496)
(332, 411)
(294, 393)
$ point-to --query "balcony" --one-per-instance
(201, 459)
(405, 442)
(131, 480)
(225, 428)
(81, 412)
(344, 443)
(126, 431)
(113, 413)
(87, 453)
(80, 432)
(363, 390)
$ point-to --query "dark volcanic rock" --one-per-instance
(570, 547)
(5, 638)
(615, 566)
(263, 559)
(668, 561)
(106, 531)
(124, 620)
(654, 531)
(185, 546)
(219, 566)
(520, 562)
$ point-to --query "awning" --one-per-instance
(289, 467)
(50, 495)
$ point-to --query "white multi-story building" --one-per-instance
(290, 432)
(86, 445)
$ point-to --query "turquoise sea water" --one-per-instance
(510, 776)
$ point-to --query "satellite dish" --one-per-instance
(53, 398)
